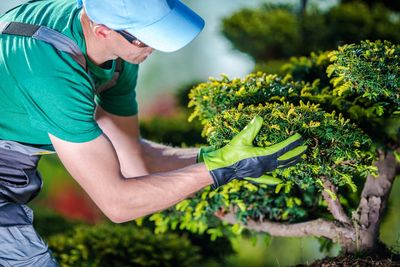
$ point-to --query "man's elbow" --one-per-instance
(117, 216)
(120, 213)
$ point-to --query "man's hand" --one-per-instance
(239, 159)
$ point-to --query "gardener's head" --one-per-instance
(164, 25)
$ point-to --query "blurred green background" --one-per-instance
(163, 78)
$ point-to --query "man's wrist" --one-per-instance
(202, 151)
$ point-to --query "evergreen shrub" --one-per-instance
(275, 32)
(122, 245)
(340, 152)
(368, 74)
(362, 82)
(267, 32)
(48, 222)
(308, 69)
(174, 130)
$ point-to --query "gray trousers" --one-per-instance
(20, 182)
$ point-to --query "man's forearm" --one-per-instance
(161, 158)
(145, 195)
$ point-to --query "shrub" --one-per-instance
(321, 192)
(174, 130)
(309, 69)
(366, 82)
(361, 82)
(368, 73)
(271, 32)
(209, 99)
(329, 135)
(265, 33)
(48, 222)
(393, 5)
(348, 23)
(122, 245)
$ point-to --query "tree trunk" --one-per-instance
(303, 7)
(372, 205)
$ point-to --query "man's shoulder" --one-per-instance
(40, 12)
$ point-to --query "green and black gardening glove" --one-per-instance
(239, 159)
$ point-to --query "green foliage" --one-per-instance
(174, 130)
(349, 23)
(48, 222)
(209, 99)
(182, 94)
(363, 84)
(309, 69)
(390, 4)
(368, 73)
(270, 32)
(339, 152)
(271, 67)
(366, 86)
(122, 245)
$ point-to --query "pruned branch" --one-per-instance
(318, 228)
(334, 205)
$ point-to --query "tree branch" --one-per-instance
(318, 228)
(334, 205)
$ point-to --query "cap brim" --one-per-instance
(173, 31)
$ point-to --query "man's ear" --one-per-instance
(102, 31)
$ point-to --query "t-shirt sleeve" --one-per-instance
(62, 106)
(121, 99)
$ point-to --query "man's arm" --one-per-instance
(138, 156)
(95, 166)
(160, 158)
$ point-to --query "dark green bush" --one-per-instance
(348, 23)
(265, 33)
(313, 31)
(48, 222)
(308, 69)
(390, 4)
(174, 130)
(122, 245)
(269, 32)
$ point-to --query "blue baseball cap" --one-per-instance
(165, 25)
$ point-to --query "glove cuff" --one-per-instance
(222, 176)
(202, 151)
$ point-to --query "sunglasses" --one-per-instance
(132, 39)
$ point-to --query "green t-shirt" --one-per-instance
(43, 90)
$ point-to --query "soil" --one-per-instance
(382, 257)
(352, 261)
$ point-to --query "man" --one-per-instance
(68, 76)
